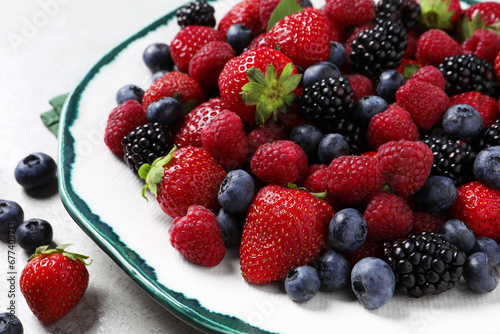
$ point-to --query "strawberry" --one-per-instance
(53, 281)
(486, 105)
(198, 237)
(316, 181)
(304, 37)
(483, 15)
(439, 14)
(284, 228)
(207, 63)
(496, 64)
(265, 94)
(350, 13)
(121, 120)
(266, 8)
(245, 12)
(483, 43)
(189, 40)
(479, 207)
(184, 177)
(177, 85)
(434, 45)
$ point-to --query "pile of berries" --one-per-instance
(353, 145)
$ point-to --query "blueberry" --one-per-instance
(320, 71)
(367, 107)
(302, 283)
(33, 233)
(388, 83)
(36, 170)
(11, 216)
(157, 75)
(166, 111)
(308, 137)
(10, 324)
(338, 55)
(347, 230)
(487, 167)
(488, 246)
(157, 57)
(373, 282)
(239, 37)
(305, 3)
(456, 232)
(333, 270)
(236, 191)
(437, 194)
(480, 273)
(332, 146)
(231, 225)
(462, 122)
(129, 92)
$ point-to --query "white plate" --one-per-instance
(104, 198)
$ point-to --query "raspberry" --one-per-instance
(317, 182)
(352, 178)
(225, 140)
(395, 123)
(361, 86)
(434, 45)
(407, 164)
(280, 162)
(425, 221)
(483, 43)
(388, 217)
(262, 135)
(486, 105)
(121, 120)
(207, 63)
(198, 237)
(350, 13)
(430, 74)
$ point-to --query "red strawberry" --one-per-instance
(425, 221)
(361, 85)
(486, 105)
(430, 74)
(184, 177)
(407, 164)
(280, 162)
(496, 65)
(225, 140)
(483, 43)
(439, 14)
(317, 182)
(189, 40)
(352, 178)
(483, 15)
(198, 237)
(425, 102)
(53, 282)
(271, 96)
(388, 217)
(434, 45)
(208, 62)
(261, 40)
(188, 132)
(178, 85)
(395, 123)
(284, 228)
(245, 12)
(266, 8)
(350, 13)
(479, 207)
(303, 36)
(121, 120)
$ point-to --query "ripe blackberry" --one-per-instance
(489, 136)
(352, 132)
(325, 100)
(146, 143)
(405, 12)
(465, 73)
(197, 12)
(452, 158)
(424, 264)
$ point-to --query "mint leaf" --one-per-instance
(284, 8)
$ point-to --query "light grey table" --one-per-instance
(46, 47)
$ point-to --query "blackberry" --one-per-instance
(146, 143)
(378, 49)
(353, 133)
(197, 12)
(404, 12)
(424, 264)
(465, 73)
(325, 100)
(452, 158)
(489, 136)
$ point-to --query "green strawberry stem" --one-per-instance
(435, 14)
(321, 195)
(269, 93)
(45, 250)
(153, 174)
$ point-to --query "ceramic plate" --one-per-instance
(104, 198)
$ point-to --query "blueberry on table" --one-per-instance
(239, 37)
(347, 230)
(302, 283)
(456, 232)
(487, 167)
(166, 111)
(236, 191)
(462, 121)
(320, 71)
(10, 324)
(36, 170)
(333, 271)
(437, 194)
(488, 246)
(231, 225)
(11, 216)
(480, 273)
(332, 146)
(33, 233)
(157, 57)
(388, 83)
(129, 92)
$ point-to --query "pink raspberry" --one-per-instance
(434, 45)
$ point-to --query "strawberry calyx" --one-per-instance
(320, 195)
(270, 93)
(45, 250)
(153, 174)
(436, 14)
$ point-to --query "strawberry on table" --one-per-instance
(53, 281)
(284, 228)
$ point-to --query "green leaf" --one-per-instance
(467, 27)
(252, 87)
(283, 9)
(188, 106)
(409, 70)
(155, 173)
(435, 14)
(255, 75)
